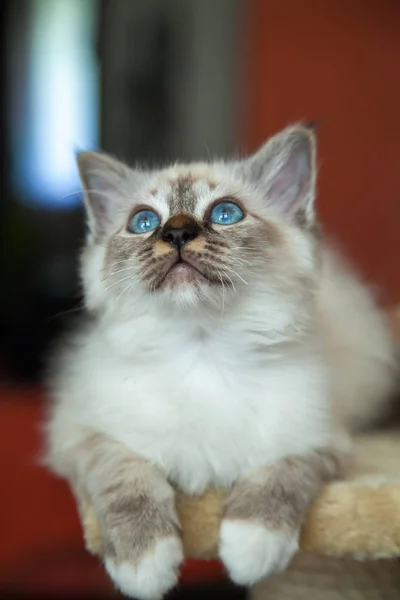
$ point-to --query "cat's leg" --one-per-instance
(264, 513)
(135, 509)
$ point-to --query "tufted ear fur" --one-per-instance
(106, 184)
(284, 171)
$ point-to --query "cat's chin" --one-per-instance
(186, 287)
(180, 274)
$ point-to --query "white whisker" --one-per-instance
(237, 274)
(109, 275)
(241, 261)
(223, 293)
(230, 279)
(243, 248)
(118, 282)
(118, 262)
(128, 288)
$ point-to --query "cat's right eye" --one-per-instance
(144, 221)
(226, 213)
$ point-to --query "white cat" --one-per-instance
(227, 346)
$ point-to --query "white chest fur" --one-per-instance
(202, 410)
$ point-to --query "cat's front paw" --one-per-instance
(142, 548)
(251, 552)
(153, 575)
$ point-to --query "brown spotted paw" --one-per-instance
(142, 549)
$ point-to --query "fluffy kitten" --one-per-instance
(228, 346)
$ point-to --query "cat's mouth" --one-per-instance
(184, 268)
(181, 271)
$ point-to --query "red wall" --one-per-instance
(337, 61)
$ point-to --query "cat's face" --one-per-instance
(199, 234)
(192, 235)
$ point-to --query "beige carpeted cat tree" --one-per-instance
(350, 542)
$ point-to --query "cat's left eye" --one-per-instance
(143, 221)
(226, 213)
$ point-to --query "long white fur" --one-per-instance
(209, 395)
(187, 389)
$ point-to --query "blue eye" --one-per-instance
(226, 213)
(144, 221)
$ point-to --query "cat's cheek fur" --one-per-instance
(92, 263)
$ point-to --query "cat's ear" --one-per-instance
(284, 171)
(105, 182)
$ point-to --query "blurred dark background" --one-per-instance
(154, 81)
(146, 81)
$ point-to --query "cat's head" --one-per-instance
(201, 235)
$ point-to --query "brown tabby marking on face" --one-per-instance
(120, 248)
(147, 250)
(278, 496)
(265, 233)
(213, 240)
(182, 198)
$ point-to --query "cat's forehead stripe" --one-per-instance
(182, 197)
(184, 189)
